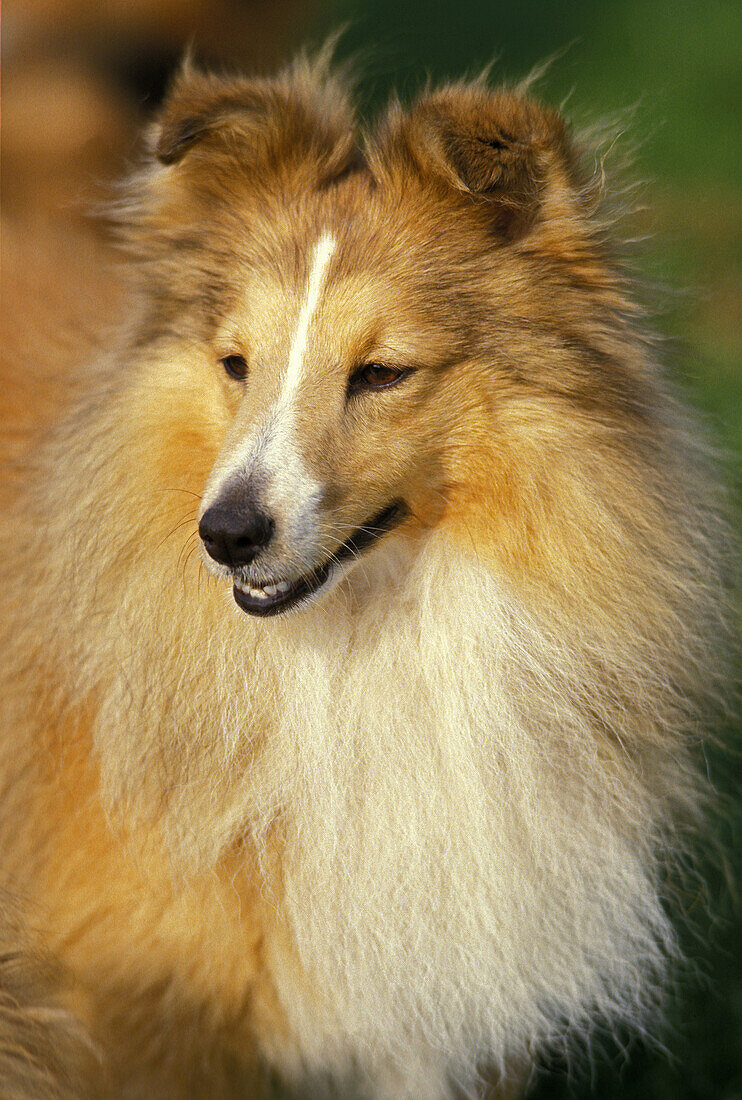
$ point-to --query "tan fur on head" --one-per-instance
(499, 147)
(304, 117)
(418, 827)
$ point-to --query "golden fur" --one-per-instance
(417, 830)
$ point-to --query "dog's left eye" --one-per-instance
(375, 376)
(235, 366)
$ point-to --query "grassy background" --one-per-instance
(674, 71)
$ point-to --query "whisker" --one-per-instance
(185, 547)
(177, 489)
(188, 557)
(182, 523)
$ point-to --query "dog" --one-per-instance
(364, 608)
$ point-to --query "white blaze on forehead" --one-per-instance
(321, 256)
(291, 484)
(273, 449)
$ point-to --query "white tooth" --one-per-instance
(270, 589)
(283, 586)
(258, 592)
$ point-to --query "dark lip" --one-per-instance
(361, 540)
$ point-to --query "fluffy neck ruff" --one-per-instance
(464, 863)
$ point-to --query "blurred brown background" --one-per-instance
(79, 77)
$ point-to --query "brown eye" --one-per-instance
(235, 366)
(375, 376)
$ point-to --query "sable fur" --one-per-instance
(419, 829)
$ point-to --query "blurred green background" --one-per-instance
(672, 74)
(80, 76)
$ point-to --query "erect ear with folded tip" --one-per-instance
(197, 105)
(301, 115)
(501, 148)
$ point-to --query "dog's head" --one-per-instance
(375, 320)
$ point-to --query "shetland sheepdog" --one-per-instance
(363, 609)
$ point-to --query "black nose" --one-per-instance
(234, 532)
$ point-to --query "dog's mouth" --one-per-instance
(280, 595)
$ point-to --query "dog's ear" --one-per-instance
(198, 104)
(503, 149)
(303, 115)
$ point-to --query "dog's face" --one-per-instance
(356, 315)
(339, 360)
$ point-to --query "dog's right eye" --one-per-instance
(235, 366)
